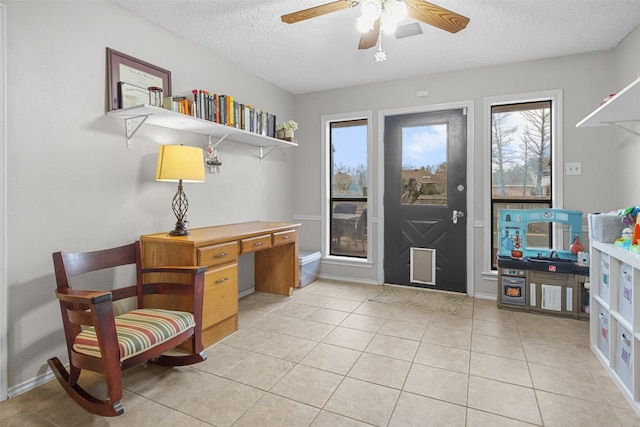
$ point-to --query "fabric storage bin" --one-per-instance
(624, 357)
(604, 277)
(605, 228)
(309, 266)
(603, 332)
(625, 292)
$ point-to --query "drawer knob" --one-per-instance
(286, 237)
(258, 244)
(224, 279)
(224, 254)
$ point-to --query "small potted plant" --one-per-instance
(286, 130)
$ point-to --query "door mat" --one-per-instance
(426, 299)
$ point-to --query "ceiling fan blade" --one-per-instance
(437, 16)
(312, 12)
(370, 38)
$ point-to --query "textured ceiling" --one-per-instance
(321, 53)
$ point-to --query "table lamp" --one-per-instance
(177, 163)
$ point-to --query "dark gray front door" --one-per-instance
(425, 195)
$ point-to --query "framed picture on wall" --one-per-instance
(124, 71)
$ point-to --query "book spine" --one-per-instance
(236, 107)
(229, 108)
(205, 105)
(214, 107)
(222, 102)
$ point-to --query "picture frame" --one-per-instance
(125, 70)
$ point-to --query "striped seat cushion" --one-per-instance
(138, 330)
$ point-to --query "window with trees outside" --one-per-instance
(348, 194)
(521, 167)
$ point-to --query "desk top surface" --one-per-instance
(223, 233)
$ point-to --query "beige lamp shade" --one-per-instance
(180, 162)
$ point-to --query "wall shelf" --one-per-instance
(136, 116)
(623, 108)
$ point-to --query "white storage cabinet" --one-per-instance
(615, 316)
(615, 306)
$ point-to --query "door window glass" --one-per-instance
(424, 165)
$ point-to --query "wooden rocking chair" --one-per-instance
(109, 344)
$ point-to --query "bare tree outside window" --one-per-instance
(501, 159)
(536, 143)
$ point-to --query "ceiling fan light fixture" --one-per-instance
(390, 13)
(364, 24)
(397, 9)
(388, 25)
(371, 9)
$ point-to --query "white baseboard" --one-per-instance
(486, 296)
(32, 383)
(246, 292)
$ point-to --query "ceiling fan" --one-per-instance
(378, 14)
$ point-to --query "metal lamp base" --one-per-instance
(180, 204)
(180, 230)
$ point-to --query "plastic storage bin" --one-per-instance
(603, 332)
(625, 292)
(309, 266)
(624, 357)
(605, 269)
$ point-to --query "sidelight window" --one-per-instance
(348, 188)
(522, 149)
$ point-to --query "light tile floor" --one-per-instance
(328, 357)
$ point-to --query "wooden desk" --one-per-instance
(275, 245)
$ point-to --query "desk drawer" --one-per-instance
(218, 254)
(220, 295)
(253, 244)
(284, 237)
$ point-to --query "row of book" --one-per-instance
(223, 109)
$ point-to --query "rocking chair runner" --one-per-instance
(111, 343)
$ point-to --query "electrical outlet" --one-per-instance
(422, 93)
(573, 168)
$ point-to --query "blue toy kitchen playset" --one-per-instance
(544, 280)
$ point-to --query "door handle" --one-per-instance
(456, 215)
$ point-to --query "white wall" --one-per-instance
(625, 146)
(73, 184)
(584, 79)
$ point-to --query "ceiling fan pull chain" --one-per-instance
(380, 55)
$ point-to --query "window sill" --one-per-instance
(347, 261)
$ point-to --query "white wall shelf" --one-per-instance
(623, 108)
(137, 116)
(615, 316)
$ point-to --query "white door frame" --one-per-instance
(4, 317)
(382, 114)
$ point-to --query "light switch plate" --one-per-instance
(573, 168)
